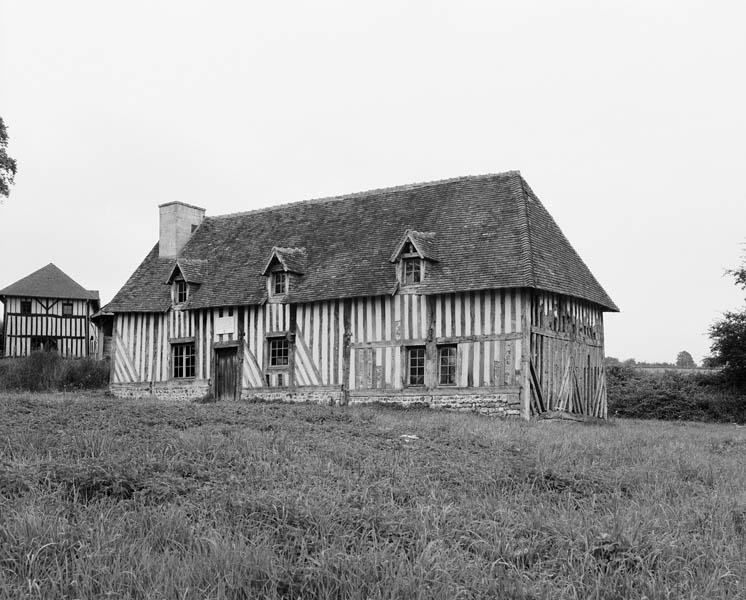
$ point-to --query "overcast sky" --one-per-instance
(628, 119)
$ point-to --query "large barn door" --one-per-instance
(566, 376)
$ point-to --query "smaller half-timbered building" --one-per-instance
(48, 310)
(460, 294)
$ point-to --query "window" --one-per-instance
(279, 350)
(67, 309)
(412, 270)
(182, 291)
(416, 366)
(280, 380)
(43, 343)
(25, 307)
(280, 283)
(183, 360)
(447, 365)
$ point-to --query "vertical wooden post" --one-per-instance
(525, 383)
(113, 357)
(240, 310)
(4, 350)
(291, 350)
(346, 352)
(431, 350)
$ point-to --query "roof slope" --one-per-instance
(489, 231)
(49, 282)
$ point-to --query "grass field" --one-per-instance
(111, 499)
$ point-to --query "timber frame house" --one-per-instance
(460, 294)
(47, 310)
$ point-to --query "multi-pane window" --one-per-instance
(279, 350)
(280, 283)
(67, 309)
(183, 360)
(412, 270)
(416, 366)
(25, 307)
(181, 292)
(447, 365)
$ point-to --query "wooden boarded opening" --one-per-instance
(226, 373)
(566, 366)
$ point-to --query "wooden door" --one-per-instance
(226, 373)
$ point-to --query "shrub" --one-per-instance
(45, 371)
(673, 396)
(84, 374)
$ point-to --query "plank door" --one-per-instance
(226, 373)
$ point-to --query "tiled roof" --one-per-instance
(489, 231)
(49, 282)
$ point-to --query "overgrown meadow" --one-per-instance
(101, 498)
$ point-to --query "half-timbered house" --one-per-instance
(460, 294)
(48, 310)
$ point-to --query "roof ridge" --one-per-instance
(340, 197)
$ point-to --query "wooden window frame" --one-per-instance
(181, 365)
(66, 305)
(282, 340)
(449, 348)
(181, 288)
(415, 264)
(281, 278)
(409, 364)
(26, 304)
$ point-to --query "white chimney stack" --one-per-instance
(177, 223)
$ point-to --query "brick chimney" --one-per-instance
(177, 223)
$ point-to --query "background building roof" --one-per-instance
(49, 282)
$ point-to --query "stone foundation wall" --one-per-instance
(505, 404)
(312, 395)
(498, 404)
(167, 391)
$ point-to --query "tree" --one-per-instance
(7, 164)
(684, 360)
(728, 337)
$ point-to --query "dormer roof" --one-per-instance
(423, 242)
(292, 260)
(192, 270)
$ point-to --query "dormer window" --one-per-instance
(280, 283)
(412, 270)
(414, 256)
(181, 291)
(284, 269)
(185, 278)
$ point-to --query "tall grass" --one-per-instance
(100, 498)
(47, 371)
